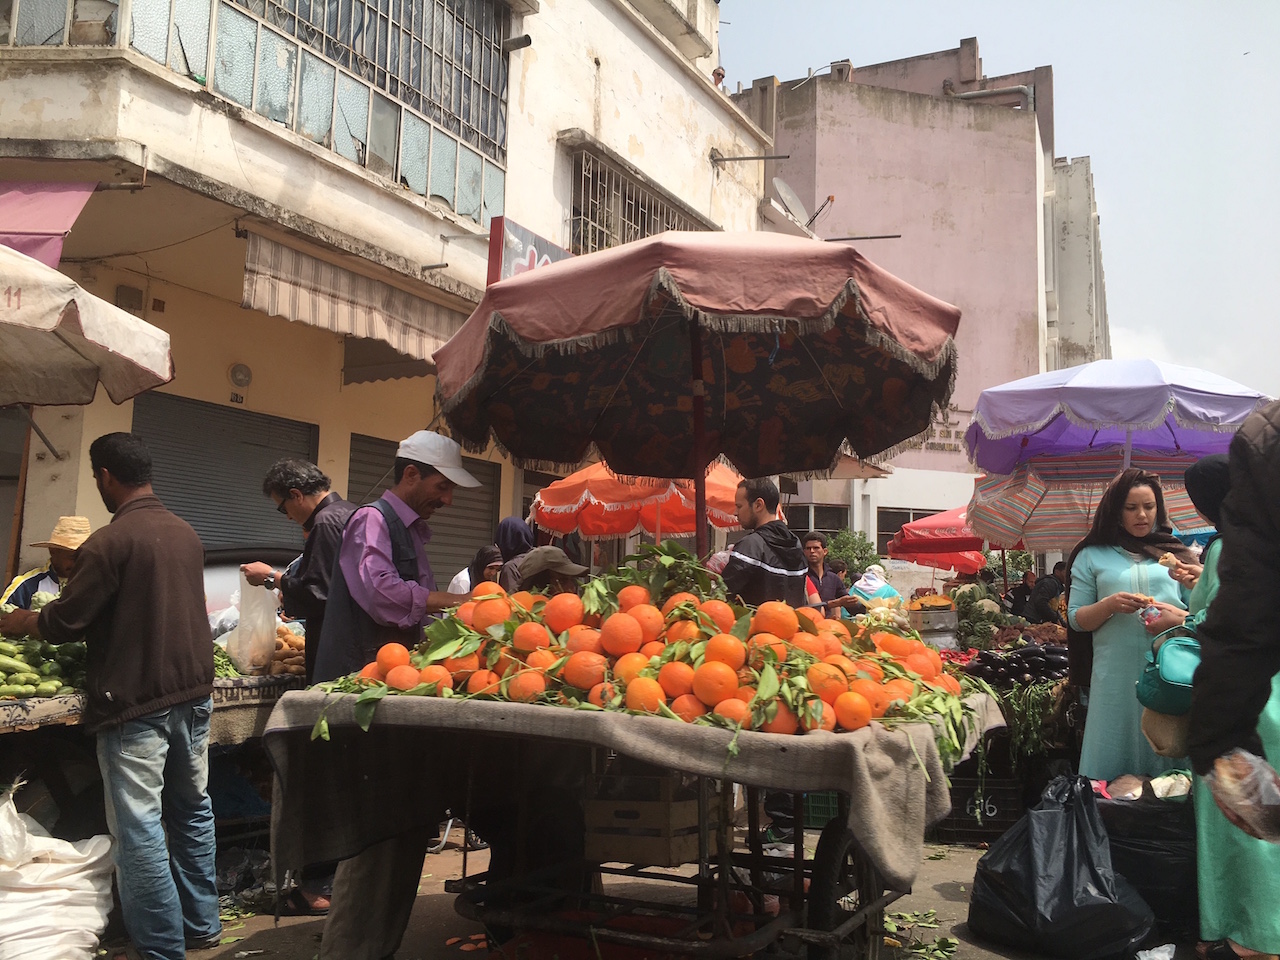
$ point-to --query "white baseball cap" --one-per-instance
(439, 452)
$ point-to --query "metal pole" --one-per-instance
(700, 458)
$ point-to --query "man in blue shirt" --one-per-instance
(67, 536)
(829, 583)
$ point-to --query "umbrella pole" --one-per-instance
(1004, 562)
(657, 524)
(700, 458)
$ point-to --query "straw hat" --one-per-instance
(68, 533)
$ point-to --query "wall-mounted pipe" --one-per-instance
(1028, 93)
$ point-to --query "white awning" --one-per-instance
(284, 282)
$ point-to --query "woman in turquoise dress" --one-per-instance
(1239, 876)
(1115, 575)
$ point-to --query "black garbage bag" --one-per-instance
(1047, 885)
(1153, 846)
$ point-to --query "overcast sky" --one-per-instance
(1174, 101)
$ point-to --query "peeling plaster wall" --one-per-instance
(1082, 332)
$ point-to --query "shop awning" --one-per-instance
(284, 282)
(36, 217)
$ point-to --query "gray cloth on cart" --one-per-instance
(336, 798)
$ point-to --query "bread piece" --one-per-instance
(1168, 560)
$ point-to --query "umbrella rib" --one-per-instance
(818, 367)
(622, 379)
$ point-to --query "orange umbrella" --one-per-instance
(601, 506)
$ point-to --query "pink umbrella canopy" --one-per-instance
(943, 540)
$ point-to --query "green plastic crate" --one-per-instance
(820, 808)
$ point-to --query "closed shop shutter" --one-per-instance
(458, 530)
(209, 461)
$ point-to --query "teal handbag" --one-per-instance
(1165, 684)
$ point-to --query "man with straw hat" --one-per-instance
(68, 534)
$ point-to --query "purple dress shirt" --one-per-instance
(371, 577)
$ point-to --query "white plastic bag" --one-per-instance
(54, 896)
(253, 641)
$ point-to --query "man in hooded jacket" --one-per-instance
(769, 562)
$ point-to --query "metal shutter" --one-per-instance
(458, 530)
(209, 461)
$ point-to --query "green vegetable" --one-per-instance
(49, 688)
(40, 598)
(50, 669)
(222, 665)
(9, 649)
(10, 690)
(66, 691)
(10, 664)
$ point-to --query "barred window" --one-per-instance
(610, 207)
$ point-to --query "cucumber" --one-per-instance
(50, 669)
(48, 689)
(10, 664)
(9, 649)
(10, 690)
(27, 690)
(66, 691)
(28, 677)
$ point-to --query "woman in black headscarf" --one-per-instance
(515, 539)
(1115, 574)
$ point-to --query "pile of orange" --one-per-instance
(683, 659)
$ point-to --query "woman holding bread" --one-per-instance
(1117, 580)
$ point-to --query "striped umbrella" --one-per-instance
(1049, 502)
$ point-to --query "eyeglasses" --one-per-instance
(282, 505)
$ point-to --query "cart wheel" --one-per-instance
(843, 880)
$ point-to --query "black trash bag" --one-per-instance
(1153, 846)
(1047, 885)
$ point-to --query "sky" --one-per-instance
(1176, 104)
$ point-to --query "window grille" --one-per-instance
(611, 208)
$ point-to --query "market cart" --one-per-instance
(337, 798)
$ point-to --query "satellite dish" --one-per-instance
(790, 200)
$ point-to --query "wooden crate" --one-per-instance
(657, 831)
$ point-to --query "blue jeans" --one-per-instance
(155, 771)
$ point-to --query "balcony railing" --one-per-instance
(279, 72)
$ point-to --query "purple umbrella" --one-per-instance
(1121, 404)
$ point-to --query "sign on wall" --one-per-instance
(514, 250)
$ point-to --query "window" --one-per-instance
(803, 517)
(611, 207)
(890, 520)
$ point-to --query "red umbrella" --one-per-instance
(942, 540)
(769, 350)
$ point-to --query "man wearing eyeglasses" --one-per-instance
(300, 491)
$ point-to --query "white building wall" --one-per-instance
(1083, 334)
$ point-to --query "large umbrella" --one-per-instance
(57, 341)
(662, 354)
(1049, 503)
(942, 540)
(1116, 405)
(599, 505)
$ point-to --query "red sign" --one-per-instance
(513, 250)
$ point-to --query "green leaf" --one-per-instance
(742, 629)
(808, 626)
(767, 688)
(366, 704)
(667, 561)
(321, 730)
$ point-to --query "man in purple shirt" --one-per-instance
(383, 589)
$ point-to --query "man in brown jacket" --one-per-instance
(137, 600)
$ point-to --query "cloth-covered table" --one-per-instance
(335, 798)
(35, 712)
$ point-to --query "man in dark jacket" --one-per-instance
(137, 600)
(768, 563)
(300, 491)
(1019, 596)
(1240, 637)
(1040, 608)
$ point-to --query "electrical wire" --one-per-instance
(163, 246)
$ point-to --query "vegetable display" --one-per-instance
(32, 668)
(1027, 664)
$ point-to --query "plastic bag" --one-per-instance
(55, 896)
(1247, 789)
(253, 641)
(1047, 886)
(1153, 846)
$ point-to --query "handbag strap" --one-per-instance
(1181, 629)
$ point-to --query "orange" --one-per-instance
(530, 636)
(563, 611)
(812, 614)
(403, 677)
(870, 668)
(584, 669)
(809, 643)
(438, 675)
(853, 712)
(676, 599)
(462, 667)
(827, 681)
(629, 666)
(490, 613)
(726, 648)
(892, 644)
(541, 659)
(899, 689)
(653, 649)
(524, 600)
(526, 686)
(714, 681)
(831, 645)
(837, 627)
(735, 710)
(846, 665)
(621, 634)
(483, 681)
(370, 671)
(392, 655)
(650, 619)
(487, 588)
(688, 707)
(873, 692)
(633, 595)
(761, 642)
(946, 682)
(826, 717)
(776, 617)
(601, 693)
(676, 678)
(920, 664)
(507, 661)
(745, 693)
(784, 721)
(644, 694)
(721, 614)
(935, 658)
(583, 638)
(465, 611)
(683, 630)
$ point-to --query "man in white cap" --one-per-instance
(383, 589)
(68, 534)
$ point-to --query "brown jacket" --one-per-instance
(137, 600)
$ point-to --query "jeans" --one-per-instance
(155, 770)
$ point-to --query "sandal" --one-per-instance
(297, 905)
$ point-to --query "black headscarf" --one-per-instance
(484, 557)
(1208, 481)
(514, 538)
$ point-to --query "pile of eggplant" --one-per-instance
(1028, 662)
